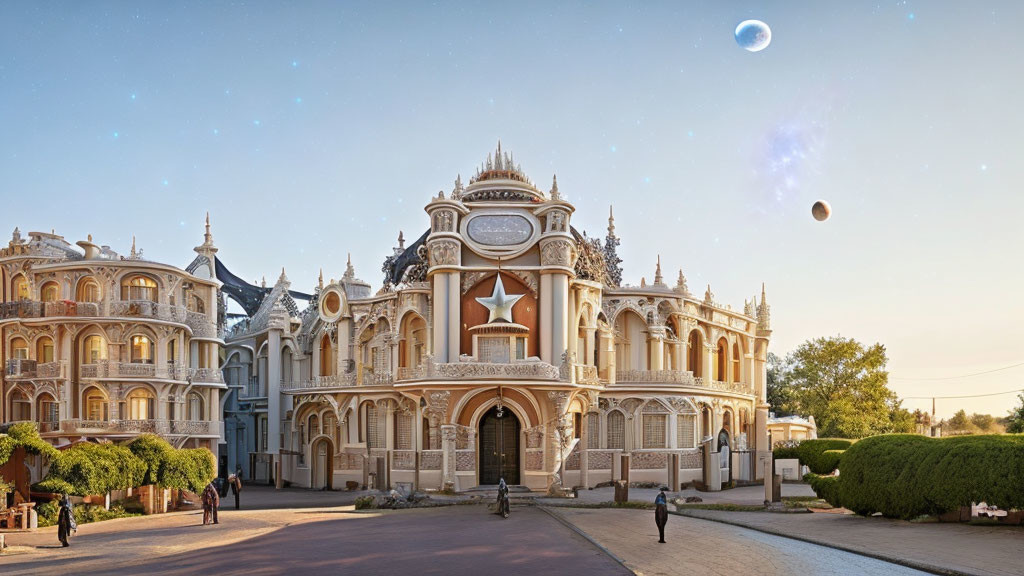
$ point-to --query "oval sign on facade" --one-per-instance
(499, 229)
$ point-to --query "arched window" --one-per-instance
(593, 430)
(138, 288)
(314, 426)
(195, 303)
(19, 288)
(195, 406)
(21, 406)
(50, 292)
(326, 356)
(94, 349)
(655, 420)
(142, 350)
(141, 404)
(48, 412)
(736, 377)
(371, 430)
(95, 405)
(695, 348)
(403, 431)
(88, 291)
(632, 351)
(616, 430)
(19, 348)
(44, 350)
(723, 350)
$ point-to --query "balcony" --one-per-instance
(201, 325)
(119, 427)
(525, 370)
(680, 377)
(734, 387)
(107, 369)
(321, 383)
(17, 368)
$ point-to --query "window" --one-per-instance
(403, 431)
(593, 430)
(736, 362)
(172, 346)
(95, 405)
(88, 291)
(493, 349)
(142, 350)
(19, 348)
(577, 424)
(44, 350)
(616, 430)
(141, 405)
(195, 406)
(195, 303)
(263, 434)
(520, 348)
(139, 288)
(94, 350)
(314, 426)
(19, 288)
(654, 430)
(373, 439)
(685, 424)
(22, 407)
(50, 292)
(48, 411)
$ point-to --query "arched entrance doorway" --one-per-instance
(725, 452)
(499, 447)
(323, 465)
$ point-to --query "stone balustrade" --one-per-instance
(108, 369)
(681, 377)
(155, 426)
(377, 379)
(19, 368)
(526, 370)
(322, 382)
(201, 325)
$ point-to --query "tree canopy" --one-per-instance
(1015, 421)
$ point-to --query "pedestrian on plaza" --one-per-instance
(661, 514)
(211, 501)
(235, 480)
(66, 524)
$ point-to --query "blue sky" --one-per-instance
(316, 129)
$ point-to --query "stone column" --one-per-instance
(656, 344)
(454, 317)
(274, 392)
(710, 362)
(545, 319)
(588, 344)
(448, 435)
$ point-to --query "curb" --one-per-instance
(577, 530)
(932, 569)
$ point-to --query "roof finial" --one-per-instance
(681, 283)
(554, 188)
(320, 281)
(263, 283)
(457, 192)
(401, 240)
(658, 280)
(611, 221)
(763, 297)
(207, 248)
(709, 298)
(90, 235)
(643, 282)
(350, 272)
(133, 255)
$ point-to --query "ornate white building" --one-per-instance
(502, 344)
(102, 346)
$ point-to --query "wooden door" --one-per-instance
(499, 448)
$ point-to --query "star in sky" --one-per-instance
(500, 304)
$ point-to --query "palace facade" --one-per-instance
(502, 344)
(99, 346)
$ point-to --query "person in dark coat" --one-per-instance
(235, 480)
(66, 524)
(211, 501)
(661, 515)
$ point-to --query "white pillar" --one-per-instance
(440, 320)
(454, 317)
(545, 318)
(274, 391)
(559, 316)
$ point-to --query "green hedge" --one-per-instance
(24, 434)
(89, 468)
(906, 475)
(826, 487)
(821, 455)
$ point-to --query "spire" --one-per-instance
(283, 277)
(320, 281)
(611, 256)
(134, 255)
(709, 298)
(207, 248)
(643, 282)
(350, 272)
(263, 283)
(401, 240)
(658, 279)
(554, 188)
(764, 313)
(90, 235)
(764, 299)
(457, 192)
(681, 283)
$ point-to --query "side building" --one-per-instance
(502, 344)
(99, 346)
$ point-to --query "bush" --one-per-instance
(24, 434)
(152, 450)
(826, 487)
(366, 503)
(88, 468)
(785, 452)
(906, 476)
(821, 454)
(84, 513)
(189, 469)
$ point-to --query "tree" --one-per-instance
(779, 394)
(985, 422)
(1015, 421)
(902, 421)
(959, 423)
(844, 385)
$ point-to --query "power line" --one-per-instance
(958, 377)
(955, 397)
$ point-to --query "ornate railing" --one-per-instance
(411, 372)
(107, 369)
(735, 387)
(201, 324)
(156, 426)
(18, 368)
(381, 379)
(321, 382)
(655, 376)
(530, 370)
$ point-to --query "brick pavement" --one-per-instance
(703, 547)
(944, 548)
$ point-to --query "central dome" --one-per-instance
(499, 178)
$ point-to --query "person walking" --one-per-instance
(661, 514)
(66, 524)
(211, 501)
(235, 480)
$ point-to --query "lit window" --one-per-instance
(94, 350)
(50, 292)
(95, 405)
(142, 350)
(139, 288)
(19, 348)
(19, 288)
(88, 291)
(141, 405)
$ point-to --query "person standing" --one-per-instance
(66, 524)
(236, 487)
(661, 515)
(211, 501)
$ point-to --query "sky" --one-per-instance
(311, 130)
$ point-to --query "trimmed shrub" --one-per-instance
(190, 469)
(84, 513)
(87, 469)
(152, 450)
(815, 453)
(826, 487)
(906, 476)
(785, 452)
(366, 503)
